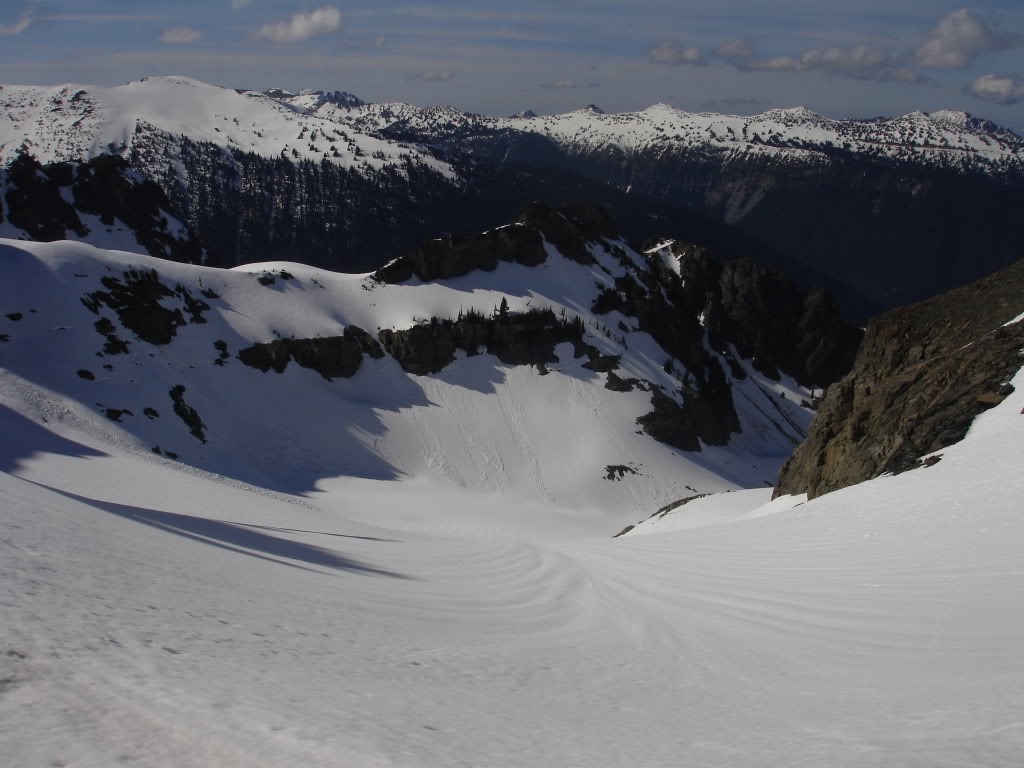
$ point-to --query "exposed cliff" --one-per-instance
(922, 375)
(92, 201)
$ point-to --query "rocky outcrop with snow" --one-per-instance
(101, 201)
(921, 377)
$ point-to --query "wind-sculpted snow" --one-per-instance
(160, 615)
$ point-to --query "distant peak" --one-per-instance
(342, 98)
(957, 116)
(525, 114)
(593, 108)
(339, 98)
(793, 113)
(279, 93)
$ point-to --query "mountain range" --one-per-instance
(883, 211)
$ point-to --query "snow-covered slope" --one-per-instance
(947, 138)
(74, 318)
(73, 122)
(155, 615)
(78, 122)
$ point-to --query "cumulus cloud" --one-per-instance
(431, 76)
(180, 35)
(957, 40)
(674, 53)
(735, 49)
(999, 89)
(23, 22)
(860, 62)
(302, 26)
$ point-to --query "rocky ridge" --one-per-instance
(708, 316)
(922, 375)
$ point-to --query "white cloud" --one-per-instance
(430, 76)
(180, 35)
(774, 64)
(302, 26)
(239, 4)
(957, 40)
(860, 62)
(23, 23)
(673, 53)
(1000, 89)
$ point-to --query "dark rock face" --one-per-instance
(331, 357)
(778, 326)
(707, 311)
(526, 338)
(570, 228)
(457, 256)
(923, 374)
(187, 413)
(105, 187)
(34, 203)
(767, 318)
(137, 301)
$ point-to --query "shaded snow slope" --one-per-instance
(545, 436)
(157, 616)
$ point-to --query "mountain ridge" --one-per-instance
(399, 379)
(317, 176)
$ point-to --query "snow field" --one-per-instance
(407, 571)
(874, 626)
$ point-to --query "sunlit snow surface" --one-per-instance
(153, 614)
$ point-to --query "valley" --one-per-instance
(347, 434)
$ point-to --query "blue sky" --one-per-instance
(867, 58)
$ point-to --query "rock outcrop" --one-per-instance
(740, 305)
(515, 338)
(569, 229)
(137, 298)
(923, 373)
(457, 256)
(331, 357)
(48, 203)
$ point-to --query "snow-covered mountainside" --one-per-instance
(156, 615)
(77, 122)
(324, 177)
(546, 377)
(947, 138)
(73, 122)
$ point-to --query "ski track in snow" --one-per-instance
(472, 610)
(875, 626)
